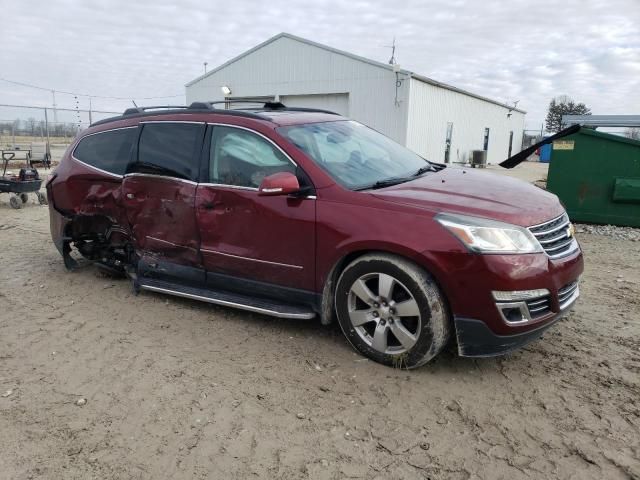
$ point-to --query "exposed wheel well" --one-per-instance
(98, 238)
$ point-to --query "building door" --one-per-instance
(447, 142)
(159, 192)
(510, 143)
(270, 239)
(485, 144)
(335, 102)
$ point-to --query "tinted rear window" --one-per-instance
(109, 151)
(170, 149)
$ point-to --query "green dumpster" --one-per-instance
(597, 177)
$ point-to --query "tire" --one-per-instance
(15, 202)
(376, 298)
(42, 198)
(24, 197)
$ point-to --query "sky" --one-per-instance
(506, 50)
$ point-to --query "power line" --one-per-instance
(58, 108)
(23, 84)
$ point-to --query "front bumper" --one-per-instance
(470, 282)
(475, 338)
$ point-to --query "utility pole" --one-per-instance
(205, 67)
(55, 111)
(90, 119)
(78, 112)
(46, 126)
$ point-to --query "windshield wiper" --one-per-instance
(384, 183)
(422, 170)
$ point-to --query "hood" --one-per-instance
(477, 193)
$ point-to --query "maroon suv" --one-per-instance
(298, 213)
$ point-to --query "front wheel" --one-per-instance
(391, 310)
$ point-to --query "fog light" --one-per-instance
(514, 313)
(519, 295)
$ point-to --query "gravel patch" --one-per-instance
(620, 233)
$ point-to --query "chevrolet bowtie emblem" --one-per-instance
(571, 230)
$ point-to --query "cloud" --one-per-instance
(514, 50)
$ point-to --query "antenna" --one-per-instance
(392, 60)
(396, 68)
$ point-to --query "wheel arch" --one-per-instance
(327, 310)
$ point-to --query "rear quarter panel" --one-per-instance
(83, 190)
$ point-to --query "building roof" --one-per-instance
(602, 120)
(386, 66)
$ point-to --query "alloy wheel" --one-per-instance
(384, 313)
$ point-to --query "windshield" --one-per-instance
(356, 156)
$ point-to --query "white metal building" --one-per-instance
(414, 110)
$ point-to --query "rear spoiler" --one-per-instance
(518, 158)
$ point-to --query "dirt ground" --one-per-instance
(179, 389)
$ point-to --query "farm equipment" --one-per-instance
(20, 185)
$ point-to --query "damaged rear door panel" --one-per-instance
(158, 195)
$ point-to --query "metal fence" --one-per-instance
(531, 137)
(23, 125)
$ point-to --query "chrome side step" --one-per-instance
(226, 299)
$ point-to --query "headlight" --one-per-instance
(489, 236)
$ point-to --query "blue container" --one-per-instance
(545, 153)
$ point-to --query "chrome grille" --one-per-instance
(554, 236)
(539, 306)
(568, 294)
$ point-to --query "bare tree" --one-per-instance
(31, 125)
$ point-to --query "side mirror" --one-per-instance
(282, 183)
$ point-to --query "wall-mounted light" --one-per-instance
(226, 91)
(511, 109)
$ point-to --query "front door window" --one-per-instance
(242, 158)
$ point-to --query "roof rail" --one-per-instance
(305, 109)
(210, 105)
(269, 105)
(254, 112)
(137, 110)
